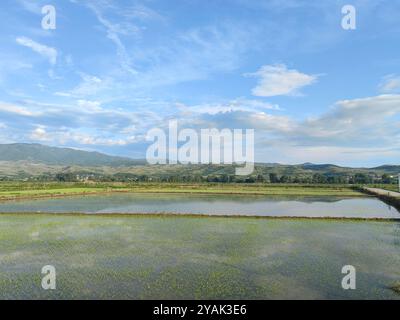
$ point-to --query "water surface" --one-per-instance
(122, 257)
(246, 205)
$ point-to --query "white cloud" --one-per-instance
(31, 6)
(89, 139)
(367, 124)
(52, 75)
(39, 134)
(114, 30)
(139, 11)
(90, 105)
(358, 129)
(239, 104)
(327, 154)
(22, 111)
(43, 50)
(351, 132)
(193, 54)
(365, 118)
(390, 83)
(84, 122)
(64, 136)
(277, 80)
(89, 85)
(62, 94)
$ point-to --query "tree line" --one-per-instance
(274, 178)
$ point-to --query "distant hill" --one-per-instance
(37, 153)
(23, 161)
(320, 167)
(390, 169)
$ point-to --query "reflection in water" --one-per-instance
(120, 257)
(279, 206)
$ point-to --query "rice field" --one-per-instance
(122, 257)
(27, 190)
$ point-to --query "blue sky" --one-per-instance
(112, 70)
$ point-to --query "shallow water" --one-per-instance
(246, 205)
(122, 257)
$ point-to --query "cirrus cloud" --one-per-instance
(390, 83)
(45, 51)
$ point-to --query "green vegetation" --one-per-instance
(37, 153)
(195, 258)
(12, 190)
(396, 287)
(34, 162)
(33, 170)
(263, 173)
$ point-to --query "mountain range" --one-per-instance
(37, 153)
(24, 160)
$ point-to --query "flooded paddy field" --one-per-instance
(150, 257)
(241, 205)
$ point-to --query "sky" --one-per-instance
(112, 70)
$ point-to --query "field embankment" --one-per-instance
(390, 197)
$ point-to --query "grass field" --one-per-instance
(15, 190)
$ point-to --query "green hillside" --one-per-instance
(37, 153)
(38, 162)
